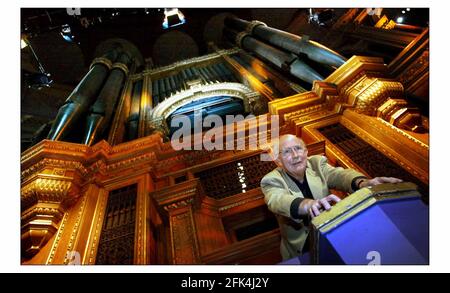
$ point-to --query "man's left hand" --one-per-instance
(378, 180)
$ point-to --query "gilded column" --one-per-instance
(177, 203)
(49, 188)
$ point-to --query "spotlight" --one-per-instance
(37, 80)
(66, 29)
(322, 17)
(172, 17)
(66, 33)
(400, 19)
(23, 43)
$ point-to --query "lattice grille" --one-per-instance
(116, 245)
(236, 177)
(367, 157)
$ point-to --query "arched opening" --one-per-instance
(216, 105)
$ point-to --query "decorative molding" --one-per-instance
(75, 230)
(47, 188)
(405, 134)
(185, 63)
(52, 211)
(169, 105)
(371, 93)
(240, 203)
(408, 166)
(61, 231)
(184, 239)
(415, 69)
(99, 210)
(179, 204)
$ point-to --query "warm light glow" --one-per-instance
(259, 69)
(241, 176)
(23, 44)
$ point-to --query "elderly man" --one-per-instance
(299, 189)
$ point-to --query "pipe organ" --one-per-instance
(107, 185)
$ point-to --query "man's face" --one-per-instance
(293, 155)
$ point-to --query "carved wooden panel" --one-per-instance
(184, 240)
(367, 157)
(234, 177)
(116, 245)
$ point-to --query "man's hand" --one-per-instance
(315, 206)
(378, 180)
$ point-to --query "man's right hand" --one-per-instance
(316, 206)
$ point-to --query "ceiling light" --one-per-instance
(23, 43)
(66, 33)
(172, 17)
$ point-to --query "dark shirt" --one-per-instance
(304, 188)
(306, 191)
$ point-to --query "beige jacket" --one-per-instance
(280, 190)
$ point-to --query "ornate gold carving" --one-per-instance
(385, 23)
(43, 200)
(47, 189)
(179, 204)
(405, 134)
(301, 112)
(39, 223)
(58, 179)
(75, 230)
(49, 146)
(98, 227)
(61, 231)
(415, 69)
(184, 239)
(411, 168)
(240, 203)
(355, 68)
(186, 63)
(370, 93)
(50, 210)
(397, 112)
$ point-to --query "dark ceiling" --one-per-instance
(67, 62)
